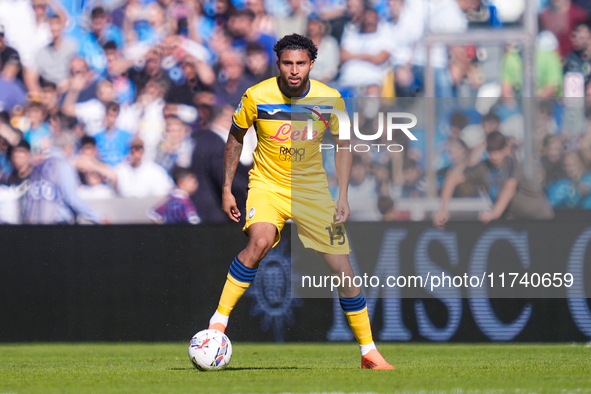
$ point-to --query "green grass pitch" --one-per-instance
(297, 368)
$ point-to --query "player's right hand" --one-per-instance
(440, 219)
(230, 207)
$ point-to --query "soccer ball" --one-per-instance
(210, 350)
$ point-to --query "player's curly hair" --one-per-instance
(294, 42)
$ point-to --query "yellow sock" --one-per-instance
(239, 278)
(355, 309)
(233, 291)
(359, 322)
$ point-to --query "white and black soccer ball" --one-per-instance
(210, 350)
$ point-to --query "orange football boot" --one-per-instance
(374, 360)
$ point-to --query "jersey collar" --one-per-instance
(286, 94)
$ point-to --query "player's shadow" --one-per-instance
(261, 368)
(242, 368)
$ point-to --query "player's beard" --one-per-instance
(295, 89)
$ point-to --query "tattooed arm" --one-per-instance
(231, 160)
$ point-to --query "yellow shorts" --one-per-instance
(313, 215)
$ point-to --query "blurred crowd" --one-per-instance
(134, 98)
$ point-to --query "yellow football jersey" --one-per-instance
(288, 155)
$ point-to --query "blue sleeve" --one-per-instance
(115, 34)
(67, 185)
(557, 192)
(19, 97)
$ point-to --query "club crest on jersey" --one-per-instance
(251, 213)
(239, 108)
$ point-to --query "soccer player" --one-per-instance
(288, 168)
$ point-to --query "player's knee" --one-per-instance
(261, 246)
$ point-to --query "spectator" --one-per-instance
(50, 99)
(7, 53)
(152, 123)
(584, 4)
(574, 189)
(263, 23)
(583, 143)
(341, 15)
(32, 32)
(176, 146)
(294, 22)
(10, 72)
(221, 41)
(152, 71)
(200, 26)
(112, 143)
(326, 65)
(149, 26)
(548, 66)
(489, 122)
(94, 188)
(198, 76)
(12, 93)
(389, 212)
(502, 177)
(444, 16)
(92, 112)
(484, 14)
(546, 123)
(118, 13)
(79, 68)
(381, 171)
(53, 61)
(141, 178)
(363, 196)
(52, 197)
(414, 183)
(101, 32)
(5, 164)
(579, 60)
(87, 159)
(38, 134)
(178, 207)
(458, 152)
(560, 18)
(242, 26)
(223, 9)
(457, 122)
(8, 138)
(20, 157)
(364, 53)
(124, 88)
(233, 83)
(208, 164)
(552, 160)
(548, 69)
(332, 11)
(406, 34)
(257, 63)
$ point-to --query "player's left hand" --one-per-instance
(342, 211)
(486, 217)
